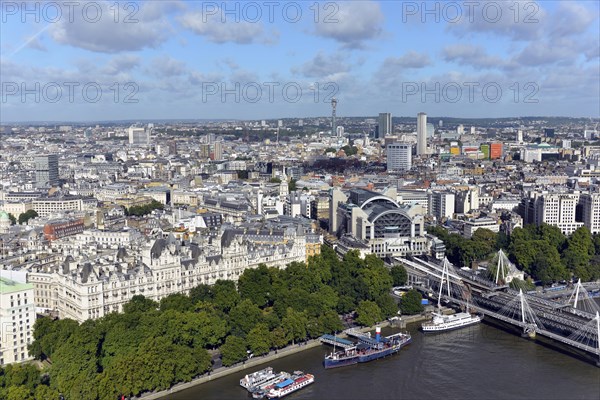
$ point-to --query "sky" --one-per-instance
(99, 61)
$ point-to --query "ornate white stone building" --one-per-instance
(81, 287)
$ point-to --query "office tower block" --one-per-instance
(385, 124)
(399, 157)
(218, 151)
(46, 170)
(421, 134)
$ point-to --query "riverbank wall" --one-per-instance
(273, 355)
(224, 371)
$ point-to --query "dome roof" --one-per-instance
(4, 216)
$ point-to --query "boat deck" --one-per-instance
(334, 340)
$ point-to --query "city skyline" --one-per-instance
(177, 62)
(193, 190)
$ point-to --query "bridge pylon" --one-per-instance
(505, 270)
(598, 336)
(580, 299)
(529, 328)
(519, 311)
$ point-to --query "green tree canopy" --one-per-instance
(225, 295)
(387, 304)
(399, 275)
(259, 339)
(255, 285)
(547, 265)
(139, 304)
(48, 335)
(243, 317)
(376, 277)
(410, 303)
(176, 301)
(369, 313)
(26, 216)
(579, 250)
(233, 351)
(294, 324)
(292, 185)
(201, 292)
(278, 338)
(145, 209)
(350, 150)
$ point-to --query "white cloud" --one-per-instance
(466, 54)
(351, 23)
(166, 67)
(410, 60)
(393, 71)
(212, 27)
(324, 66)
(120, 63)
(36, 44)
(571, 19)
(518, 20)
(146, 28)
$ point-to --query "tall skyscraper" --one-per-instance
(399, 157)
(430, 130)
(46, 170)
(218, 151)
(333, 116)
(421, 134)
(385, 124)
(204, 151)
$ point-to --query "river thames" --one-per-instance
(478, 362)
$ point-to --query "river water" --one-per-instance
(479, 362)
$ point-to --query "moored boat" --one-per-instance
(441, 322)
(257, 378)
(268, 384)
(296, 382)
(368, 349)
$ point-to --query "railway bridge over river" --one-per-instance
(574, 323)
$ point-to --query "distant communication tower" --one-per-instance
(333, 124)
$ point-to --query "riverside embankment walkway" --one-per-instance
(224, 371)
(256, 361)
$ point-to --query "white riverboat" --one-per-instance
(257, 378)
(296, 382)
(441, 322)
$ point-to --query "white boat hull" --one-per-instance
(449, 324)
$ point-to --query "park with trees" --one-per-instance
(140, 211)
(154, 345)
